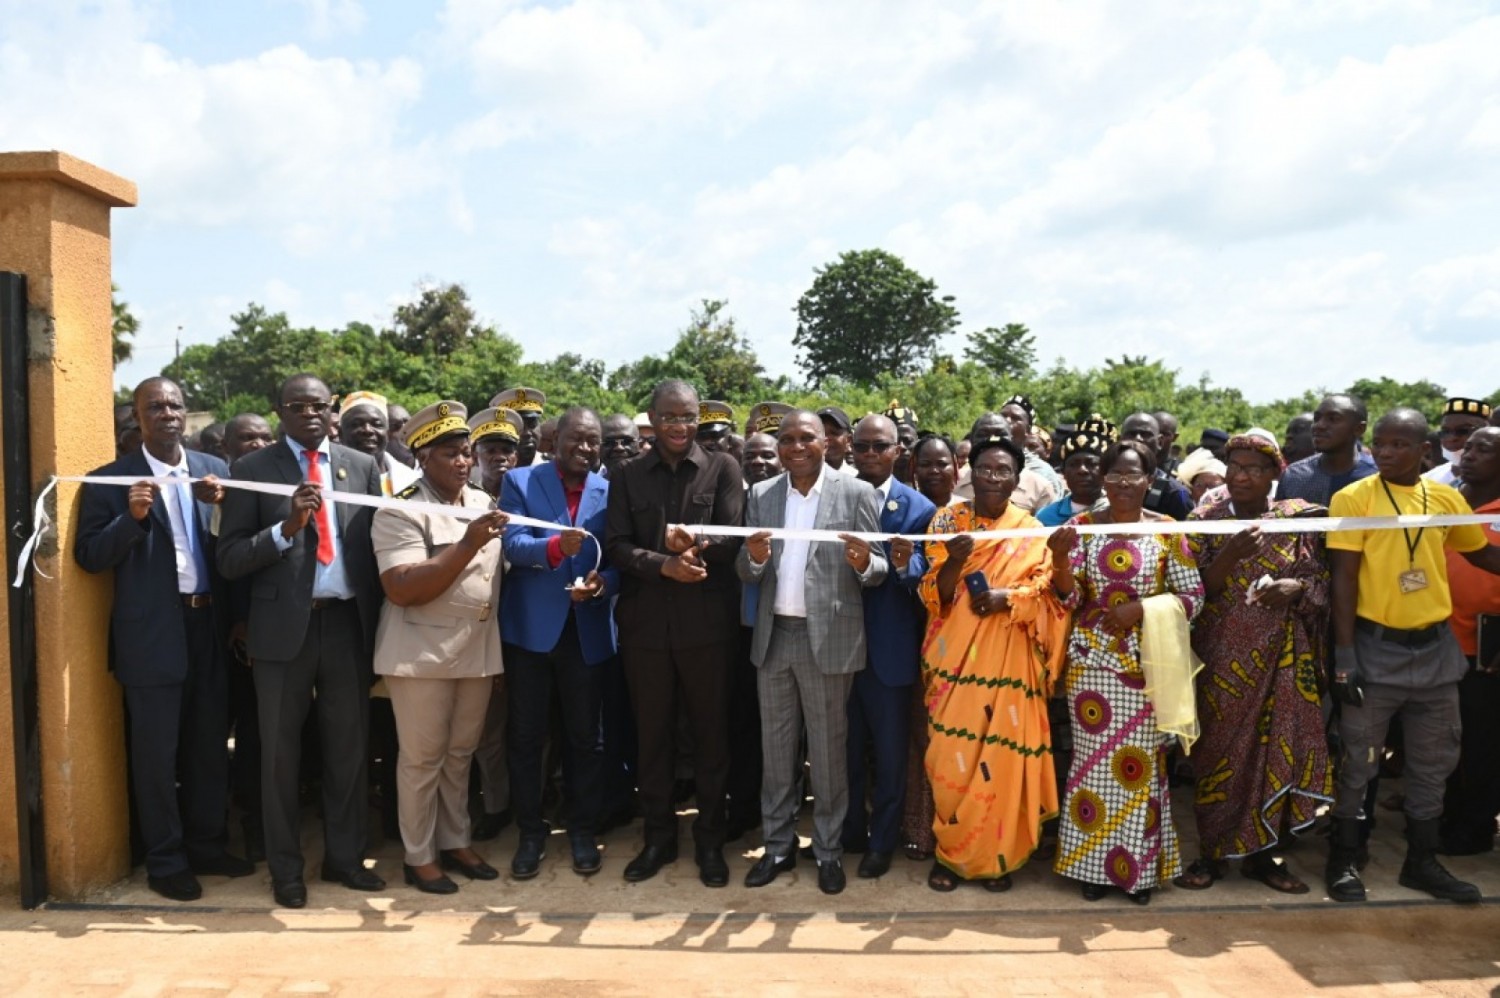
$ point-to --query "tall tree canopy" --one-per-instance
(869, 315)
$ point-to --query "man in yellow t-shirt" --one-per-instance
(1394, 653)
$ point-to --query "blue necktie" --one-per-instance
(190, 527)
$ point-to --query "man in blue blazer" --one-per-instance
(555, 620)
(880, 703)
(168, 641)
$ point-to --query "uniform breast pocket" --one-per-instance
(698, 508)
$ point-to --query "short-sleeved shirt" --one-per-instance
(1475, 591)
(455, 636)
(1306, 479)
(1386, 554)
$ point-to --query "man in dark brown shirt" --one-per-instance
(678, 621)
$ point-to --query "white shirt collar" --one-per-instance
(817, 486)
(884, 488)
(160, 469)
(297, 448)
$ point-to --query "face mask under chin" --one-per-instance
(1452, 455)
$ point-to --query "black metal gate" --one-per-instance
(15, 413)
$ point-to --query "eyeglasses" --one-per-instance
(877, 446)
(1461, 432)
(619, 441)
(1115, 478)
(1249, 470)
(307, 408)
(994, 474)
(666, 420)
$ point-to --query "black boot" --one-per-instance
(1422, 871)
(1342, 876)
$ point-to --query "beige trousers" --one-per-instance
(438, 723)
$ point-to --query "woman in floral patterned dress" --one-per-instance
(1116, 828)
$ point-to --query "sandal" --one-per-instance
(942, 879)
(997, 885)
(1200, 875)
(916, 852)
(1273, 872)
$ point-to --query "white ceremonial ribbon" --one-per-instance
(1291, 525)
(1309, 525)
(41, 522)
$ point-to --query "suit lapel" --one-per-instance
(338, 473)
(552, 489)
(892, 519)
(138, 465)
(595, 496)
(287, 464)
(776, 496)
(202, 510)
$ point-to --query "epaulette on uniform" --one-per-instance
(408, 492)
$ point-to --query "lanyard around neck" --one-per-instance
(1411, 542)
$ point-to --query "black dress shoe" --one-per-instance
(1094, 892)
(474, 871)
(527, 861)
(586, 858)
(223, 866)
(1139, 897)
(712, 869)
(356, 880)
(437, 885)
(179, 886)
(874, 864)
(649, 861)
(767, 867)
(830, 876)
(290, 893)
(490, 826)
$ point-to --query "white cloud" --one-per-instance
(329, 18)
(310, 149)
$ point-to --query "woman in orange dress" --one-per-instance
(996, 636)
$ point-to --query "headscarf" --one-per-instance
(1200, 460)
(1259, 444)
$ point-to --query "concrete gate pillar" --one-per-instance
(54, 228)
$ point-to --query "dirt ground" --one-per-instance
(376, 949)
(562, 934)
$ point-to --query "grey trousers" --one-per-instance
(792, 692)
(438, 722)
(1431, 733)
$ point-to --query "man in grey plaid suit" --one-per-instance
(809, 640)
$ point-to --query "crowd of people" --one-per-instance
(635, 611)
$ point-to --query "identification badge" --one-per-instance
(1413, 581)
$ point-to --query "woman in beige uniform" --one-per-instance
(438, 645)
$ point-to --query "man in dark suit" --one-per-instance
(314, 604)
(676, 615)
(554, 616)
(809, 640)
(168, 632)
(880, 703)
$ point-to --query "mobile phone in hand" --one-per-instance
(976, 583)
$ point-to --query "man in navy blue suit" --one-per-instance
(555, 617)
(880, 702)
(168, 640)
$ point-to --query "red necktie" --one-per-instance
(324, 520)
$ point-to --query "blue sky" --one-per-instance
(1281, 195)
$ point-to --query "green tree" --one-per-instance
(1382, 395)
(869, 315)
(720, 356)
(711, 354)
(126, 325)
(1009, 353)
